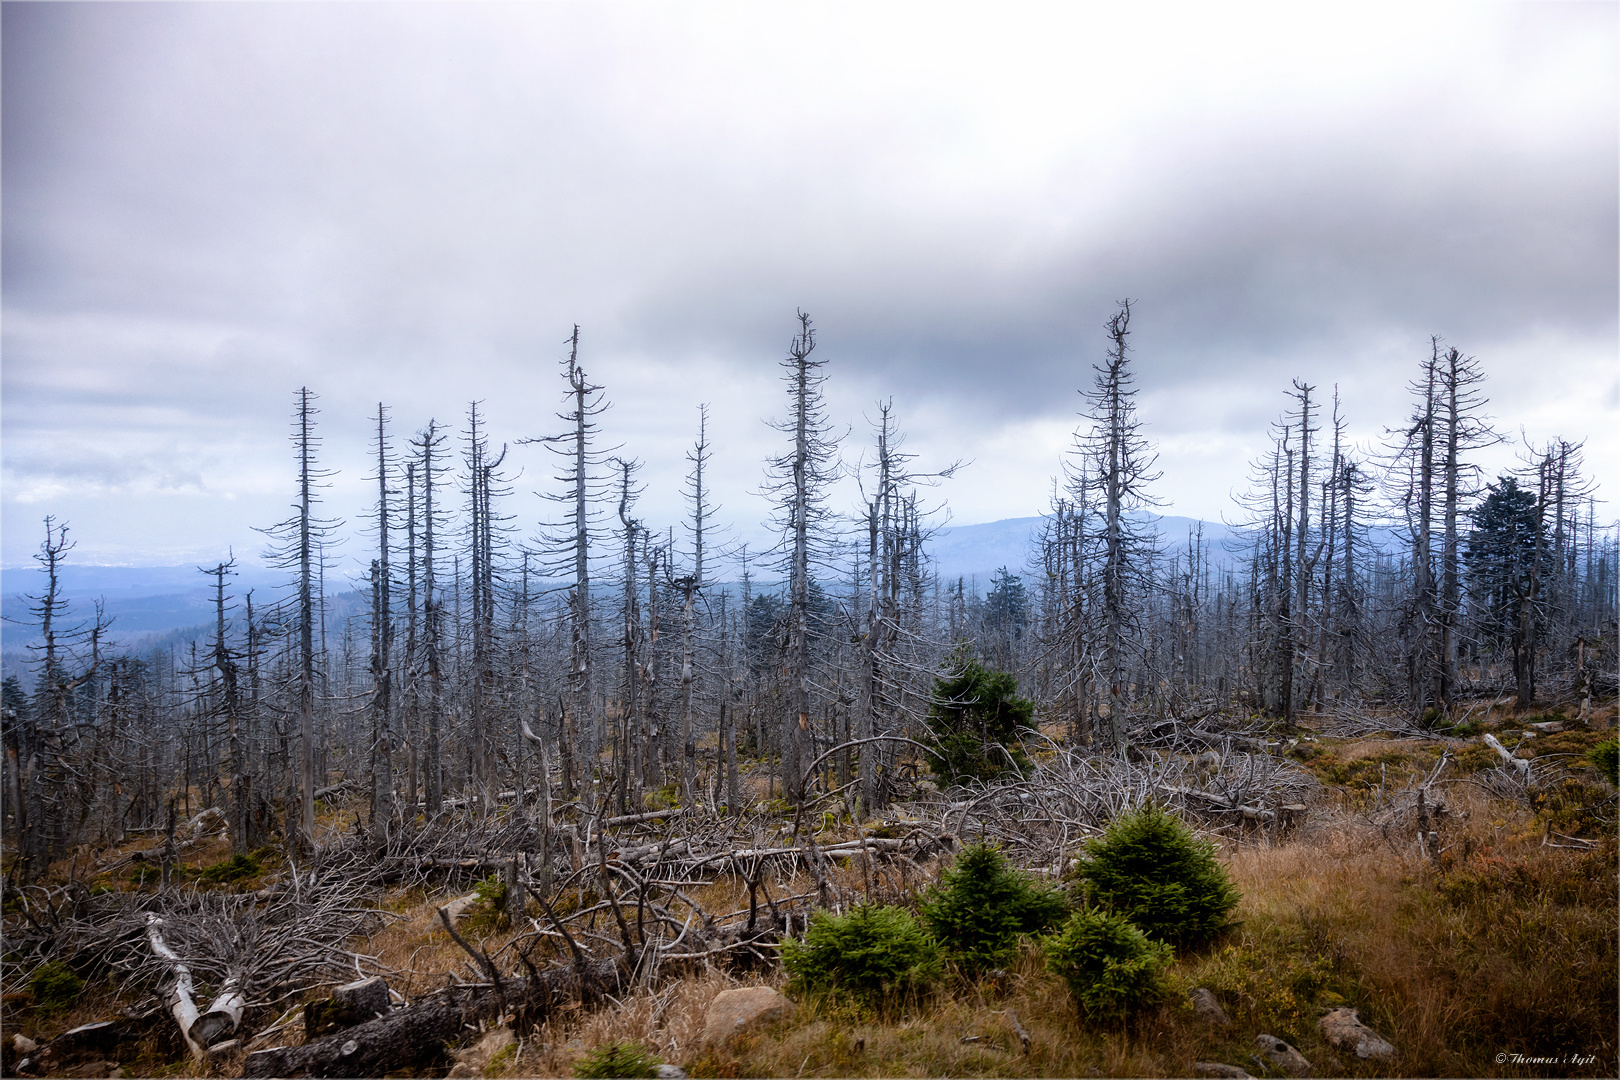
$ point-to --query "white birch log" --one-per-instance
(223, 1016)
(184, 1005)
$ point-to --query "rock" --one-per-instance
(671, 1072)
(476, 1058)
(350, 1004)
(732, 1011)
(24, 1045)
(1343, 1030)
(1283, 1056)
(93, 1068)
(459, 906)
(1215, 1068)
(1207, 1009)
(211, 820)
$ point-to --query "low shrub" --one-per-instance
(54, 987)
(620, 1059)
(867, 954)
(489, 913)
(1574, 808)
(667, 797)
(1112, 967)
(981, 905)
(1150, 868)
(1606, 756)
(235, 868)
(491, 890)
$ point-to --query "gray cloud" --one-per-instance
(208, 206)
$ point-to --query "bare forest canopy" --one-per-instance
(475, 656)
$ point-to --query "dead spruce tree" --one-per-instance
(800, 479)
(634, 737)
(1117, 471)
(689, 587)
(229, 703)
(382, 649)
(568, 547)
(483, 525)
(429, 694)
(297, 543)
(1431, 477)
(894, 539)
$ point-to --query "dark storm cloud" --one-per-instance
(207, 206)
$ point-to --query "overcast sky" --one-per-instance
(208, 206)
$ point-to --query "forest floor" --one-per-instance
(1496, 958)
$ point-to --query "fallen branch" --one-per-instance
(1521, 766)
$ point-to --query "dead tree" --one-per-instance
(569, 548)
(689, 587)
(893, 540)
(40, 734)
(298, 541)
(382, 651)
(225, 660)
(1119, 470)
(799, 482)
(429, 445)
(632, 763)
(481, 467)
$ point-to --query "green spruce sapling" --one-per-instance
(1150, 868)
(982, 905)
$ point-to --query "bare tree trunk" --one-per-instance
(1426, 643)
(580, 606)
(632, 775)
(690, 586)
(306, 629)
(1303, 564)
(382, 647)
(799, 747)
(432, 620)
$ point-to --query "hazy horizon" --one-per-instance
(209, 206)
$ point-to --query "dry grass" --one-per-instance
(1506, 946)
(1509, 947)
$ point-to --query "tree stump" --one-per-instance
(350, 1004)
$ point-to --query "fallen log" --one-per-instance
(334, 789)
(1520, 766)
(182, 1002)
(403, 1039)
(400, 1040)
(199, 1029)
(350, 1005)
(633, 819)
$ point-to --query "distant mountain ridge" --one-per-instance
(978, 551)
(150, 600)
